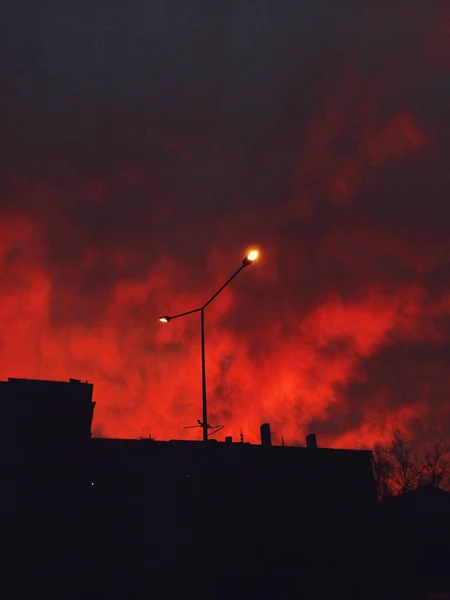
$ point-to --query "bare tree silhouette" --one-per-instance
(435, 469)
(383, 472)
(399, 468)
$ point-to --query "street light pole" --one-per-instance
(248, 260)
(204, 405)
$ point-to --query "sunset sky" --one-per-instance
(146, 146)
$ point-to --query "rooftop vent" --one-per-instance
(311, 441)
(266, 436)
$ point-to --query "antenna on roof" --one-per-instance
(214, 428)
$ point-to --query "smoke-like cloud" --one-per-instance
(145, 149)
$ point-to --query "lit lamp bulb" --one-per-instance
(164, 319)
(251, 257)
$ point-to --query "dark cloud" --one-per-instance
(407, 374)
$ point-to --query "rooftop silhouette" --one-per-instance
(114, 516)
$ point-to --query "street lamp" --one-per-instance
(248, 260)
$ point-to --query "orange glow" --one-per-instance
(253, 255)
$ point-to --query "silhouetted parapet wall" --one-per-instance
(291, 478)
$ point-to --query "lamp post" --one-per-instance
(248, 260)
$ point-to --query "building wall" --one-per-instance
(138, 508)
(43, 417)
(246, 500)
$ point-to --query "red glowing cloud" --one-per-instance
(135, 202)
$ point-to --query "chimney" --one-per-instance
(266, 437)
(228, 439)
(311, 442)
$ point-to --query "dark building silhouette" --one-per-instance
(41, 414)
(45, 436)
(419, 522)
(232, 507)
(122, 518)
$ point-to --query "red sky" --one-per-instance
(145, 149)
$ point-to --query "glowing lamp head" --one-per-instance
(164, 319)
(251, 257)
